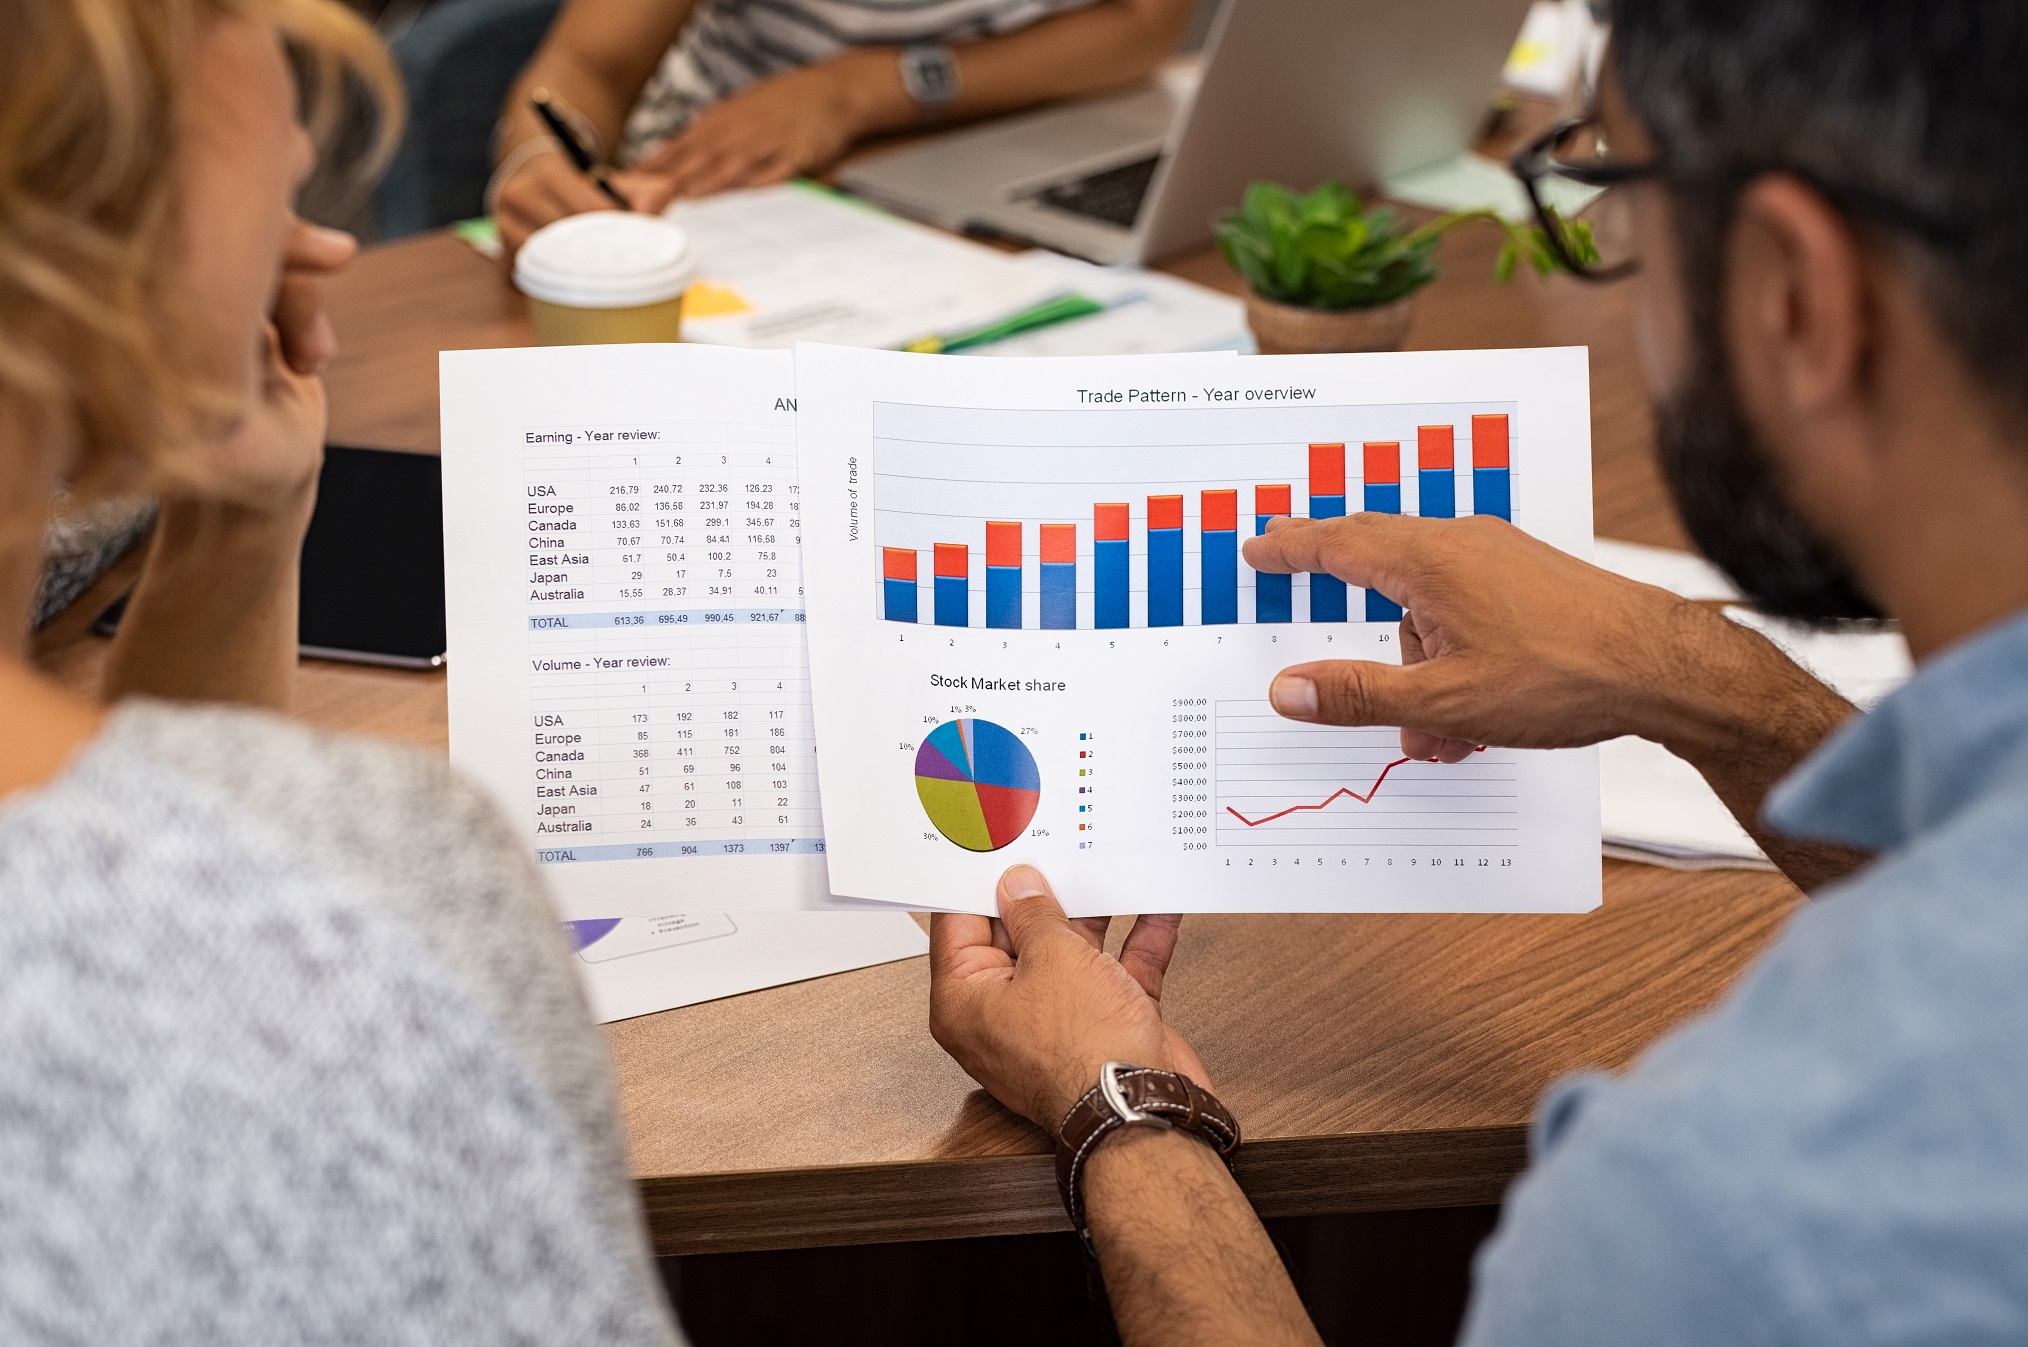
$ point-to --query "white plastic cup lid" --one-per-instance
(605, 260)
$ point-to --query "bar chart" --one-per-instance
(1025, 522)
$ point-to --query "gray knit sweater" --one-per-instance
(290, 1052)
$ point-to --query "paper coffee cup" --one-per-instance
(608, 276)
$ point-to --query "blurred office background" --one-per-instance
(1369, 1278)
(457, 59)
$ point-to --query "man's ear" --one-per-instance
(1796, 313)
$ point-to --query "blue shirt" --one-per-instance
(1839, 1152)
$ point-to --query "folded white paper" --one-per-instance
(639, 965)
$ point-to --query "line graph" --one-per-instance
(1284, 783)
(1326, 802)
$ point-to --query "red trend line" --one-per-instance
(1367, 798)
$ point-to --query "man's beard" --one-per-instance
(1727, 493)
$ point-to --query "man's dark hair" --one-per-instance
(1911, 115)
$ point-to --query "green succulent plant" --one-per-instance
(1324, 249)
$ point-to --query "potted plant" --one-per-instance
(1325, 273)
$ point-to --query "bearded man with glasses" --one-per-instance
(1821, 204)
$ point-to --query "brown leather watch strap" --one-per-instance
(1134, 1096)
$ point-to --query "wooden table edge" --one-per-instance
(1016, 1194)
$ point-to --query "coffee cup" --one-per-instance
(606, 276)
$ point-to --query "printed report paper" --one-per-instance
(641, 965)
(624, 594)
(799, 262)
(1032, 638)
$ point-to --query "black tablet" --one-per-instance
(373, 561)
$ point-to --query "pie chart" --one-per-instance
(977, 782)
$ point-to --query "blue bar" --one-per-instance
(1273, 596)
(954, 601)
(1003, 596)
(1327, 592)
(1489, 492)
(900, 597)
(1165, 577)
(1059, 597)
(1382, 498)
(1437, 493)
(1220, 560)
(1109, 576)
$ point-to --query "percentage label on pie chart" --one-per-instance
(978, 783)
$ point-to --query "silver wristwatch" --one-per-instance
(929, 71)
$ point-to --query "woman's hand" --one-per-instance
(769, 131)
(267, 462)
(314, 252)
(1032, 1005)
(267, 459)
(213, 617)
(764, 134)
(542, 191)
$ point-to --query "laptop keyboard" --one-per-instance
(1113, 195)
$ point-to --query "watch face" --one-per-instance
(930, 74)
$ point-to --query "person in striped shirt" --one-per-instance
(692, 97)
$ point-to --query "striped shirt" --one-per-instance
(729, 44)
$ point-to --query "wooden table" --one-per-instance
(1377, 1062)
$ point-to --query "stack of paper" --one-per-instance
(638, 965)
(1558, 40)
(779, 265)
(1141, 313)
(1654, 806)
(1863, 665)
(1684, 574)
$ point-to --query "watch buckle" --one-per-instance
(1116, 1097)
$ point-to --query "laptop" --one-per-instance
(1290, 90)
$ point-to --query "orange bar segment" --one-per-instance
(1489, 440)
(1003, 543)
(1221, 511)
(1327, 469)
(1059, 544)
(897, 563)
(1271, 500)
(1165, 512)
(1109, 522)
(1383, 464)
(953, 561)
(1436, 448)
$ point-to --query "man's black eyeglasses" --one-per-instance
(1575, 150)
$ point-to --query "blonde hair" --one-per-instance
(95, 341)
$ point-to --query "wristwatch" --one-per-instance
(1134, 1096)
(929, 71)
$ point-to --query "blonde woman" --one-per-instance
(288, 1048)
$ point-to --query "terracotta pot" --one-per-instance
(1286, 329)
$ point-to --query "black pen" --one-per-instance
(579, 155)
